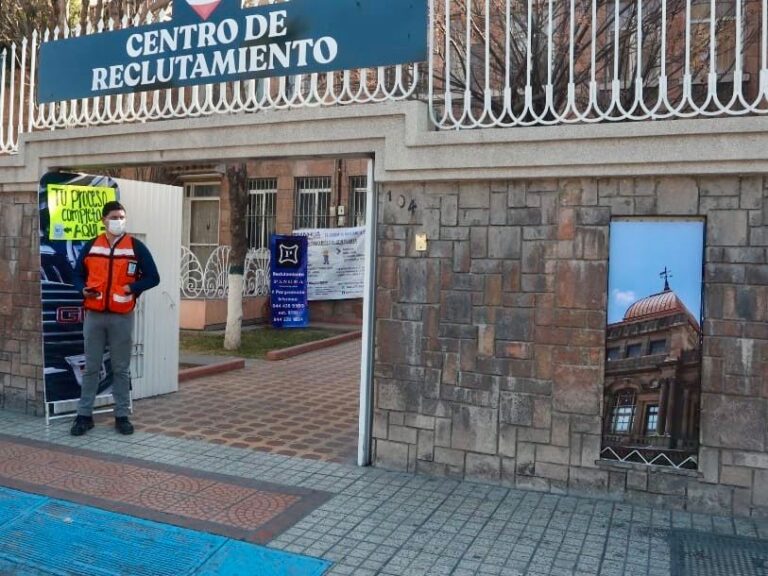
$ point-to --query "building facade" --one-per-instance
(283, 196)
(653, 384)
(495, 185)
(490, 344)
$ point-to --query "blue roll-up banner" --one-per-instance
(70, 215)
(211, 41)
(288, 284)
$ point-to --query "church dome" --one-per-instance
(659, 304)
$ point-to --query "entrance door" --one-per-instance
(154, 216)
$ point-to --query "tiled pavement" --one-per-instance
(305, 406)
(379, 522)
(365, 521)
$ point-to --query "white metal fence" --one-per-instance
(528, 62)
(492, 63)
(211, 279)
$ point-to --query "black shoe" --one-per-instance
(81, 425)
(123, 425)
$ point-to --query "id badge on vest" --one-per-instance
(132, 268)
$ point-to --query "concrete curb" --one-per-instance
(284, 353)
(209, 369)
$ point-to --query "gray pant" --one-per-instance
(100, 329)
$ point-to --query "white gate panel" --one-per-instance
(154, 215)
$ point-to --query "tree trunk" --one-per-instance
(237, 181)
(84, 16)
(60, 13)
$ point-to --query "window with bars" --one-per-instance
(358, 192)
(623, 412)
(261, 211)
(313, 202)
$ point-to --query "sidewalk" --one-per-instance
(368, 521)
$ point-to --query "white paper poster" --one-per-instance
(336, 262)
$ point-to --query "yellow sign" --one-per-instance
(75, 211)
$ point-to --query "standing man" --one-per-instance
(112, 271)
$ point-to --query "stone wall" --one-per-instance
(336, 311)
(21, 372)
(490, 345)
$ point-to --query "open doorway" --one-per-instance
(305, 405)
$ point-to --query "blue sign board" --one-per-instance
(211, 41)
(288, 283)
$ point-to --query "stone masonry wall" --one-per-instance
(490, 345)
(21, 364)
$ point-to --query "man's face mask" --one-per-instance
(116, 227)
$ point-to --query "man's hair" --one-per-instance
(110, 206)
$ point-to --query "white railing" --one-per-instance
(536, 62)
(655, 458)
(492, 63)
(211, 281)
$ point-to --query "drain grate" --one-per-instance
(703, 554)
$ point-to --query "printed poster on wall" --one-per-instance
(336, 262)
(70, 215)
(288, 285)
(652, 386)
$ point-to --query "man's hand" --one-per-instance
(126, 289)
(90, 293)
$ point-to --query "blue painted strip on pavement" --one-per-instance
(14, 503)
(9, 568)
(240, 558)
(48, 536)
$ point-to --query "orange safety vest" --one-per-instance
(110, 268)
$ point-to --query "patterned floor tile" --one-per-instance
(231, 506)
(254, 510)
(184, 484)
(305, 406)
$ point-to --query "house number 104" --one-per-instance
(401, 201)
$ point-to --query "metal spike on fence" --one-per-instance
(12, 97)
(32, 76)
(3, 147)
(22, 87)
